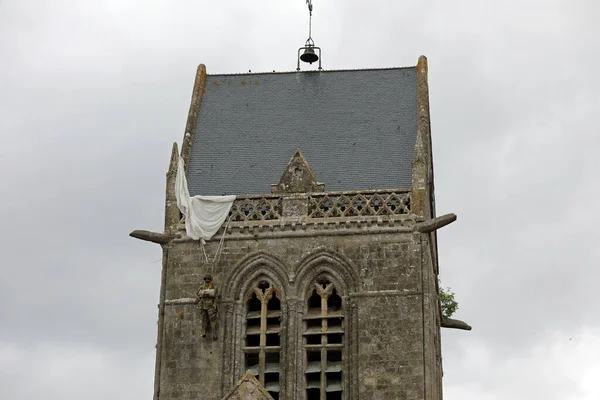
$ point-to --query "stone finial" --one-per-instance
(422, 163)
(298, 177)
(190, 127)
(248, 388)
(172, 216)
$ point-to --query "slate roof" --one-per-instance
(356, 129)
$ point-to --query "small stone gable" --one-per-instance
(298, 177)
(248, 388)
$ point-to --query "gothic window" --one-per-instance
(262, 345)
(323, 342)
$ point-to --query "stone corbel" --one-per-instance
(154, 237)
(435, 223)
(455, 324)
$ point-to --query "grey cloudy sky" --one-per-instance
(92, 95)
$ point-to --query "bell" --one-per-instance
(309, 56)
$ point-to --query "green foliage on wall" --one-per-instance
(449, 303)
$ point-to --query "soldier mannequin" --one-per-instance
(207, 303)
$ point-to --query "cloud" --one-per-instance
(67, 371)
(92, 95)
(557, 367)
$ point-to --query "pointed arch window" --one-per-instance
(323, 342)
(262, 343)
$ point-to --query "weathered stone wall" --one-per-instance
(391, 347)
(431, 318)
(386, 346)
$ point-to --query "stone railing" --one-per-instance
(256, 208)
(354, 204)
(324, 205)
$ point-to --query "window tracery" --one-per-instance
(262, 344)
(323, 342)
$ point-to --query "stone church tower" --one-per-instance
(325, 273)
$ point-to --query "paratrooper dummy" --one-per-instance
(207, 304)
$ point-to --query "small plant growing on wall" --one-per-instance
(449, 303)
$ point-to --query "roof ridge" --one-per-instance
(312, 71)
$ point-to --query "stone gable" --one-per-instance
(248, 388)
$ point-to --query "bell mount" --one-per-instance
(309, 55)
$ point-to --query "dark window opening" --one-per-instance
(334, 378)
(334, 338)
(252, 363)
(312, 356)
(334, 302)
(273, 326)
(313, 380)
(334, 323)
(263, 285)
(251, 359)
(334, 383)
(253, 323)
(313, 359)
(271, 377)
(334, 395)
(333, 356)
(252, 340)
(273, 339)
(313, 339)
(314, 301)
(253, 304)
(312, 324)
(274, 304)
(272, 358)
(272, 384)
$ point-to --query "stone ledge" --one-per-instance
(285, 228)
(185, 300)
(386, 293)
(377, 293)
